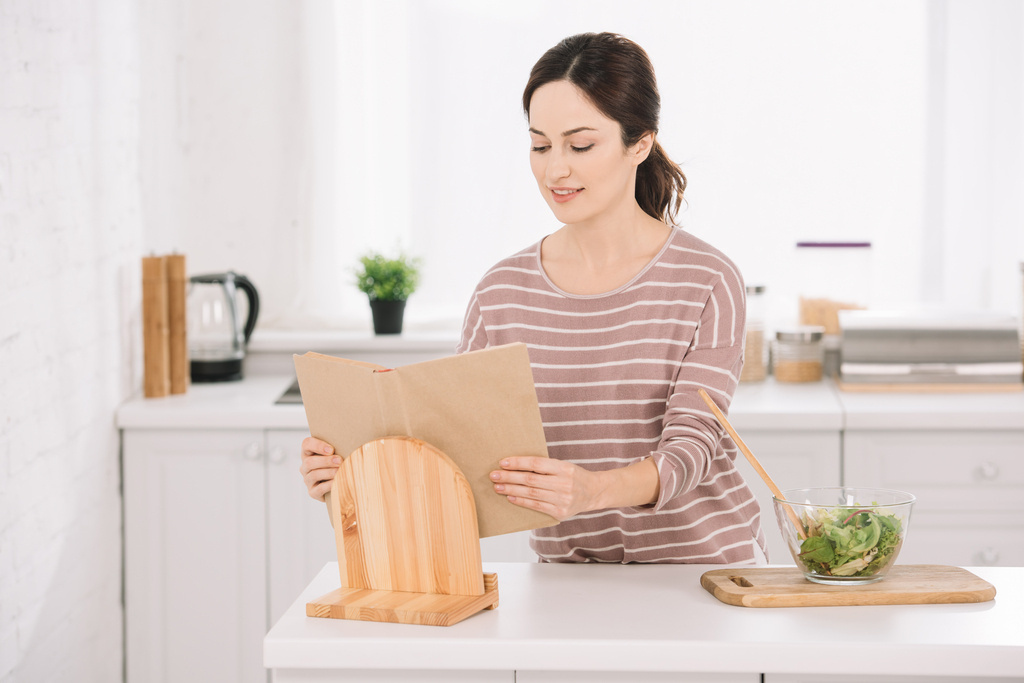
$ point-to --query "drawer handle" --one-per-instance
(251, 451)
(278, 455)
(989, 557)
(988, 471)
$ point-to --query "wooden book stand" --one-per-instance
(408, 542)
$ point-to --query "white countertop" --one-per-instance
(760, 406)
(245, 404)
(934, 411)
(250, 404)
(587, 617)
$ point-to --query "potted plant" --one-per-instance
(388, 283)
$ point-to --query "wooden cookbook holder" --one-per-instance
(408, 542)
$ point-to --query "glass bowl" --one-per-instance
(853, 535)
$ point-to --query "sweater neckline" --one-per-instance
(632, 281)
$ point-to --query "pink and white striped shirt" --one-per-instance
(617, 377)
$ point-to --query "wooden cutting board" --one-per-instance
(911, 584)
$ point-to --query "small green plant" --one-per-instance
(386, 279)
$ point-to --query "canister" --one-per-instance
(798, 354)
(755, 348)
(835, 276)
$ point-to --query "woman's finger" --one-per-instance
(313, 446)
(539, 505)
(320, 490)
(317, 462)
(532, 464)
(318, 482)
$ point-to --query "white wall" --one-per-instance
(69, 247)
(223, 139)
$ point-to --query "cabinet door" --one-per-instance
(391, 676)
(969, 488)
(299, 533)
(793, 460)
(854, 678)
(632, 677)
(195, 549)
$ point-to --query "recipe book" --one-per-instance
(476, 407)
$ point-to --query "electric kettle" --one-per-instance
(216, 334)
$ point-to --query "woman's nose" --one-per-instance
(558, 166)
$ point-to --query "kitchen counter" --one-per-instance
(658, 618)
(250, 404)
(760, 406)
(218, 523)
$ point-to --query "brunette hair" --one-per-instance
(617, 76)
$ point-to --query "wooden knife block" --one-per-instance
(407, 538)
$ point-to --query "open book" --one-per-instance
(476, 407)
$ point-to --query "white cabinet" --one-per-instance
(220, 536)
(854, 678)
(195, 555)
(969, 487)
(793, 460)
(300, 539)
(393, 676)
(632, 677)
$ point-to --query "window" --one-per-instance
(793, 120)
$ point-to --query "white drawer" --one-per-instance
(963, 539)
(969, 471)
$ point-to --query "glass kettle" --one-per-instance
(217, 335)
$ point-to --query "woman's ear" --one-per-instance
(642, 149)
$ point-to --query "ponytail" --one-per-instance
(659, 185)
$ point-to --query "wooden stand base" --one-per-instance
(429, 609)
(407, 537)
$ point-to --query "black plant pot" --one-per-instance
(387, 316)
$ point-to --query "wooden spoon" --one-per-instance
(753, 461)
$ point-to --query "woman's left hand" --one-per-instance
(555, 487)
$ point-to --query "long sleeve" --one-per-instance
(690, 432)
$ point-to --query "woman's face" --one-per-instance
(577, 156)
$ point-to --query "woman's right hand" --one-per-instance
(319, 465)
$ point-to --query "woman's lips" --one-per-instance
(564, 194)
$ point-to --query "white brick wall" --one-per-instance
(70, 242)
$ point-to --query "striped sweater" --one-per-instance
(617, 377)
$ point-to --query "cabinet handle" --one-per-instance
(251, 451)
(989, 557)
(988, 471)
(278, 455)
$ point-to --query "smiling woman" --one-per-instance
(625, 316)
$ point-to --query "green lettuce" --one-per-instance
(846, 541)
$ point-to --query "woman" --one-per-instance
(625, 318)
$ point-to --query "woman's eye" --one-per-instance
(582, 149)
(538, 148)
